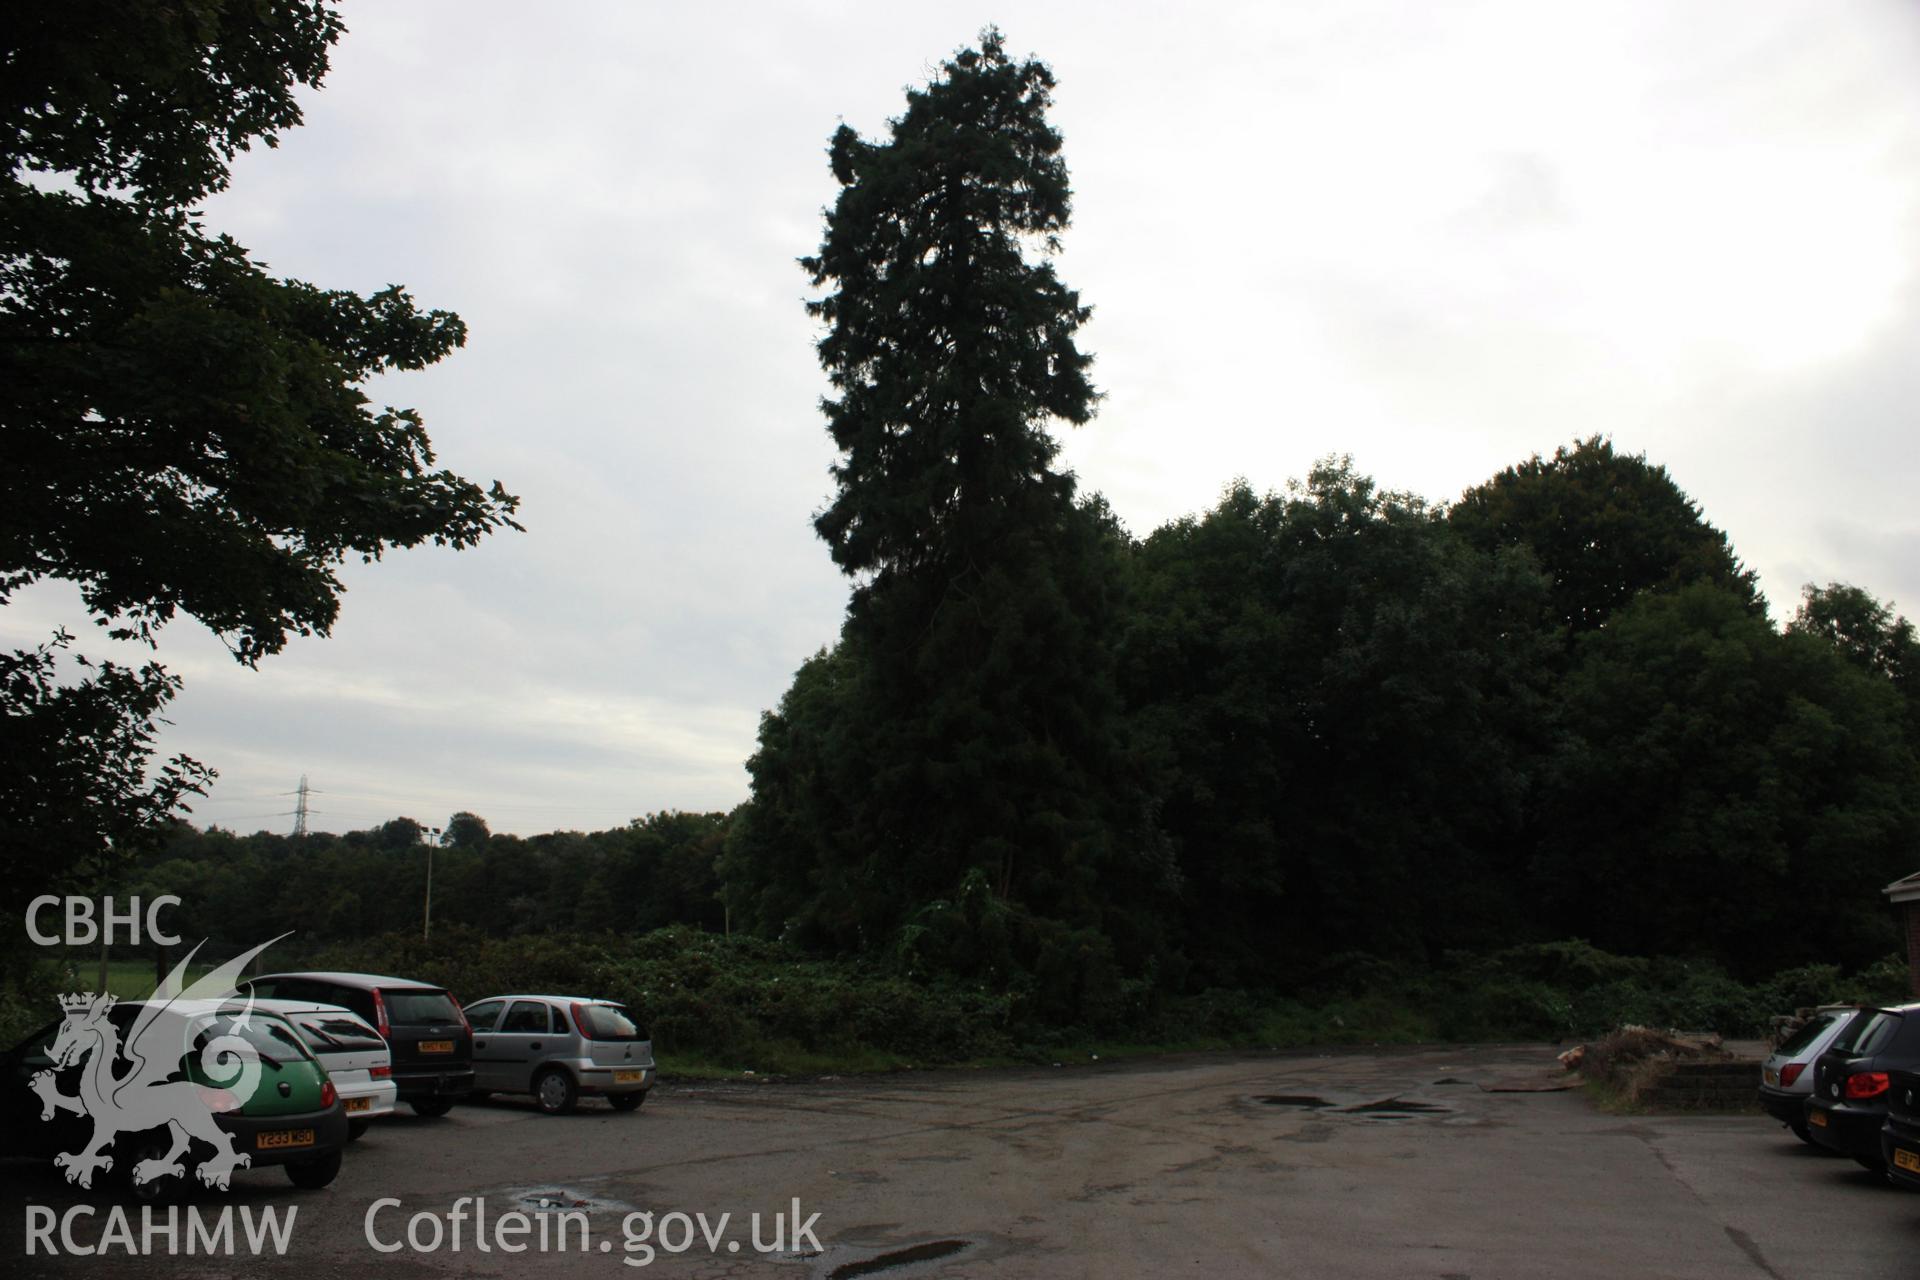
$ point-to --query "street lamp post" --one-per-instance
(433, 838)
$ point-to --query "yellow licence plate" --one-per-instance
(436, 1046)
(359, 1104)
(278, 1138)
(1907, 1160)
(629, 1077)
(1818, 1118)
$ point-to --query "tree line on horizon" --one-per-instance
(1297, 729)
(1344, 722)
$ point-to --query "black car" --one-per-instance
(1848, 1108)
(290, 1116)
(422, 1024)
(1900, 1136)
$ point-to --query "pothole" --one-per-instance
(931, 1251)
(1386, 1109)
(552, 1199)
(1397, 1104)
(1396, 1109)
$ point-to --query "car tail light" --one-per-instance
(381, 1072)
(1866, 1084)
(1790, 1073)
(328, 1093)
(580, 1020)
(380, 1022)
(462, 1012)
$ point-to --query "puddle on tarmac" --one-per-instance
(1385, 1110)
(1394, 1110)
(1397, 1107)
(928, 1252)
(551, 1199)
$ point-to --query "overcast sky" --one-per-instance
(1439, 237)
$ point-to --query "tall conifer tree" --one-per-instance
(955, 783)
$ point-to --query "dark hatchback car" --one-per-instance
(292, 1117)
(1900, 1138)
(1848, 1108)
(422, 1024)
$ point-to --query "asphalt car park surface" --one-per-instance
(1383, 1163)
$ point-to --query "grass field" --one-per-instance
(126, 979)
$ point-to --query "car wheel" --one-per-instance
(170, 1189)
(431, 1107)
(627, 1101)
(355, 1128)
(311, 1175)
(555, 1091)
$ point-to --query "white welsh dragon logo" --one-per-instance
(129, 1087)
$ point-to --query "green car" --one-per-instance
(157, 1094)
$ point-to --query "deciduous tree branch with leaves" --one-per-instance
(183, 432)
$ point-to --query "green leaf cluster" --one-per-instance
(183, 432)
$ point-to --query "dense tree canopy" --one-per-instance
(152, 101)
(1868, 632)
(656, 871)
(1353, 728)
(183, 432)
(1725, 788)
(1294, 727)
(1351, 734)
(1605, 526)
(1349, 701)
(75, 758)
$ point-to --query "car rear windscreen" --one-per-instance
(335, 1033)
(610, 1022)
(269, 1036)
(1809, 1031)
(1864, 1038)
(419, 1008)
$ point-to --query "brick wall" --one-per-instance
(1912, 910)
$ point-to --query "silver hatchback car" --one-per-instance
(560, 1048)
(1786, 1077)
